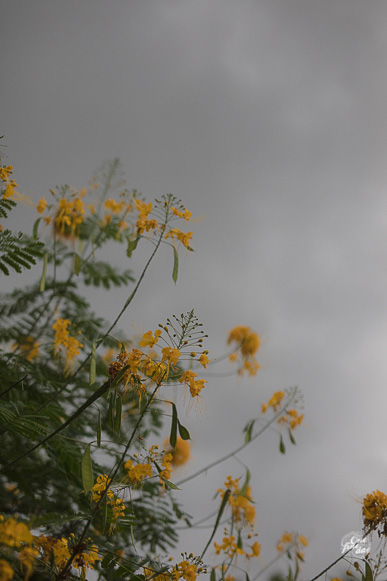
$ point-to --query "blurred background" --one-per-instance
(268, 119)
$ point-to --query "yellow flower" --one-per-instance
(137, 473)
(255, 550)
(27, 557)
(148, 340)
(6, 571)
(5, 172)
(182, 213)
(203, 359)
(28, 347)
(185, 570)
(276, 399)
(114, 206)
(183, 237)
(374, 509)
(171, 355)
(181, 453)
(63, 340)
(42, 205)
(166, 463)
(14, 533)
(69, 216)
(9, 189)
(247, 344)
(195, 386)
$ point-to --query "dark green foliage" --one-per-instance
(102, 273)
(18, 251)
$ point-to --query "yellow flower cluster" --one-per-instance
(64, 341)
(274, 402)
(60, 550)
(183, 213)
(141, 369)
(293, 542)
(195, 385)
(183, 237)
(69, 217)
(180, 453)
(28, 347)
(141, 364)
(247, 344)
(138, 472)
(16, 535)
(116, 504)
(231, 549)
(143, 224)
(375, 511)
(185, 570)
(290, 418)
(240, 501)
(10, 185)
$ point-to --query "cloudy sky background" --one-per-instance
(268, 119)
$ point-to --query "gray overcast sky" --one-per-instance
(268, 118)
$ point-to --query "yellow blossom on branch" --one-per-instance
(375, 511)
(195, 385)
(69, 216)
(183, 237)
(292, 542)
(64, 342)
(6, 571)
(114, 206)
(180, 453)
(139, 472)
(170, 355)
(247, 344)
(148, 340)
(186, 214)
(14, 533)
(240, 500)
(42, 205)
(28, 347)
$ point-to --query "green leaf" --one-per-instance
(248, 431)
(221, 510)
(282, 446)
(245, 486)
(132, 245)
(213, 575)
(92, 364)
(118, 416)
(368, 572)
(112, 404)
(87, 470)
(35, 229)
(175, 265)
(173, 434)
(169, 484)
(99, 429)
(77, 263)
(291, 437)
(184, 433)
(43, 277)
